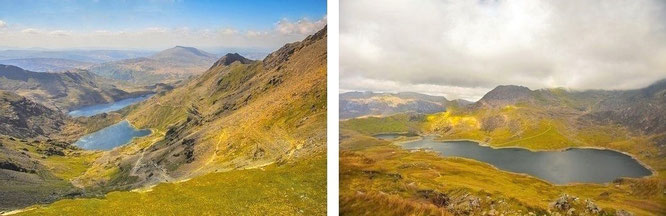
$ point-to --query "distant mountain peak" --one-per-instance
(230, 58)
(506, 94)
(178, 51)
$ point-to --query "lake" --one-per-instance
(559, 167)
(110, 137)
(108, 107)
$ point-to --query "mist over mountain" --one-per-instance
(47, 64)
(358, 104)
(93, 56)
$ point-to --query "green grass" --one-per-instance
(69, 167)
(399, 123)
(368, 184)
(288, 189)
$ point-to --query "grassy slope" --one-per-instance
(368, 168)
(292, 188)
(526, 127)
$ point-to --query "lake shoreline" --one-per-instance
(400, 142)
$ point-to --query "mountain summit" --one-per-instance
(183, 54)
(231, 58)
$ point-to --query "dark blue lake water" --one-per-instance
(559, 167)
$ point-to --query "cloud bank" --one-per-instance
(284, 31)
(462, 49)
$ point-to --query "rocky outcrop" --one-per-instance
(231, 58)
(283, 54)
(623, 213)
(22, 118)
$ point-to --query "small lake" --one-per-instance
(559, 167)
(110, 137)
(108, 107)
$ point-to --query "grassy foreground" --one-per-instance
(297, 188)
(378, 177)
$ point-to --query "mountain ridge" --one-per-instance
(233, 116)
(170, 65)
(66, 90)
(358, 104)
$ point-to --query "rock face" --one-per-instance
(22, 118)
(356, 104)
(641, 110)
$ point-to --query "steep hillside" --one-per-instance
(357, 104)
(47, 64)
(64, 91)
(630, 121)
(22, 118)
(169, 65)
(238, 114)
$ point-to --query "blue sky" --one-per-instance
(78, 17)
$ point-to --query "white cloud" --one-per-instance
(156, 30)
(156, 37)
(59, 33)
(228, 31)
(481, 44)
(3, 24)
(255, 33)
(302, 26)
(31, 31)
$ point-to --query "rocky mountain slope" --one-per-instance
(238, 114)
(37, 159)
(22, 118)
(47, 64)
(357, 104)
(641, 110)
(169, 65)
(64, 91)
